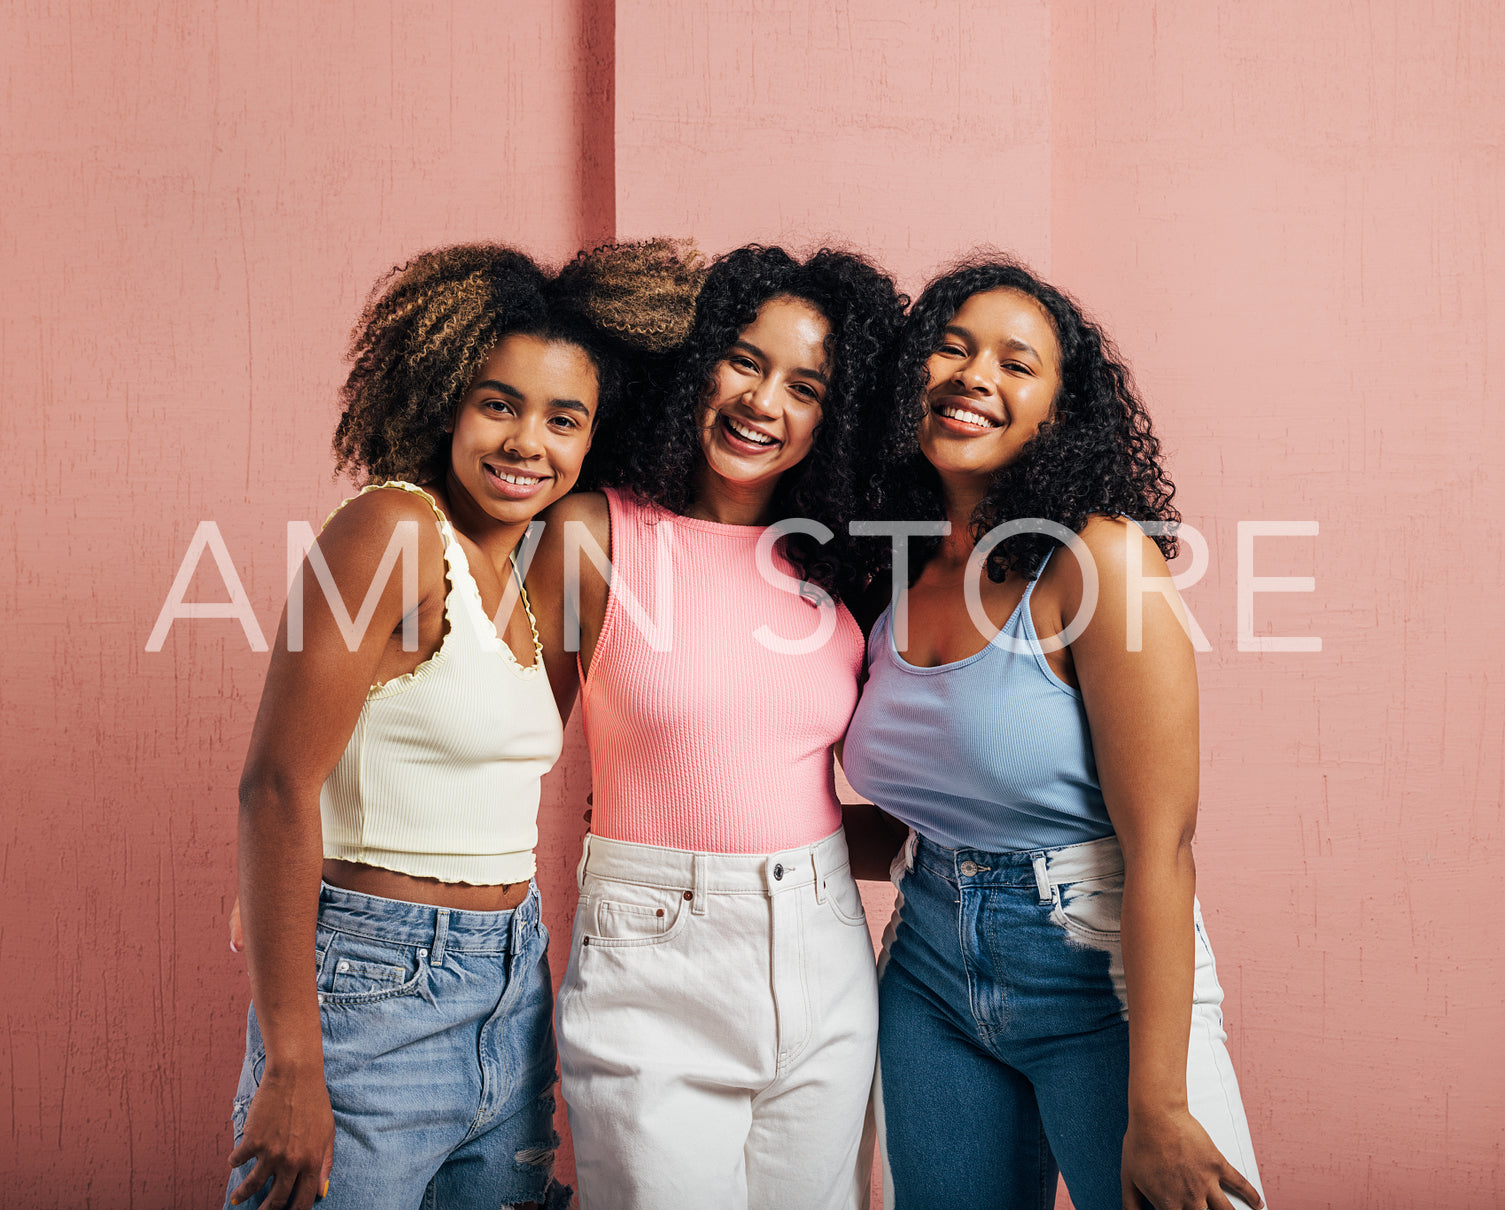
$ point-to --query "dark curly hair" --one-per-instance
(1097, 453)
(430, 324)
(658, 458)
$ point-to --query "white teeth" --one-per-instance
(519, 480)
(967, 417)
(752, 435)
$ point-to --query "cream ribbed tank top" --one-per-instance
(441, 775)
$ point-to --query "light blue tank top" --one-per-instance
(991, 752)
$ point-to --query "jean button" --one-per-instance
(968, 868)
(778, 871)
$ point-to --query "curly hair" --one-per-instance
(429, 326)
(1096, 455)
(658, 459)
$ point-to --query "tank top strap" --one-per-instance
(522, 592)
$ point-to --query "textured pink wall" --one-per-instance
(195, 200)
(1289, 215)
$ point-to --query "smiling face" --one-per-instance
(994, 377)
(523, 428)
(764, 398)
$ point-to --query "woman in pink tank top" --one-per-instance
(718, 1019)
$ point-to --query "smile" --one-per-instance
(740, 434)
(513, 483)
(966, 416)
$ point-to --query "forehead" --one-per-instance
(1004, 314)
(535, 366)
(790, 329)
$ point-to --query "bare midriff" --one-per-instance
(389, 884)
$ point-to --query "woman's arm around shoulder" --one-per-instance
(571, 528)
(309, 707)
(1136, 671)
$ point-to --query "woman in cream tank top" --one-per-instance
(399, 1048)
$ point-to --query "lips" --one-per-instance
(962, 415)
(745, 438)
(513, 483)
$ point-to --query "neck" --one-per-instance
(961, 496)
(730, 503)
(496, 539)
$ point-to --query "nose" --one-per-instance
(761, 398)
(970, 376)
(526, 440)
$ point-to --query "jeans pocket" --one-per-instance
(626, 914)
(1092, 908)
(844, 897)
(358, 970)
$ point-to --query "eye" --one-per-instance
(805, 391)
(568, 423)
(499, 406)
(1018, 367)
(949, 348)
(739, 362)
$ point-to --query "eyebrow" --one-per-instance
(757, 352)
(1013, 342)
(501, 388)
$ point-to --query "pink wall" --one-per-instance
(1289, 215)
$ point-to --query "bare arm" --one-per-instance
(309, 708)
(1142, 709)
(547, 582)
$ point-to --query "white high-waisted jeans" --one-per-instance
(717, 1029)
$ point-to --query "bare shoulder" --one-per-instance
(1116, 547)
(587, 507)
(359, 533)
(578, 508)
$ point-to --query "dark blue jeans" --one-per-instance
(1003, 1035)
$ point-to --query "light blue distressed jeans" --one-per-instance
(438, 1053)
(1003, 1036)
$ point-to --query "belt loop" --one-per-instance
(1042, 878)
(818, 863)
(585, 852)
(911, 846)
(441, 931)
(697, 877)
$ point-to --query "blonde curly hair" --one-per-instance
(430, 324)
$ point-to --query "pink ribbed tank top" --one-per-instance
(703, 737)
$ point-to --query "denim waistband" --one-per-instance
(1041, 869)
(402, 922)
(715, 873)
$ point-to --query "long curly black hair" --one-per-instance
(430, 325)
(1097, 453)
(658, 459)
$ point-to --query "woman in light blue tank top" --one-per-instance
(1049, 1002)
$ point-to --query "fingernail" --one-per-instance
(234, 949)
(324, 1192)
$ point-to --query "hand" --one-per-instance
(1170, 1163)
(290, 1131)
(237, 938)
